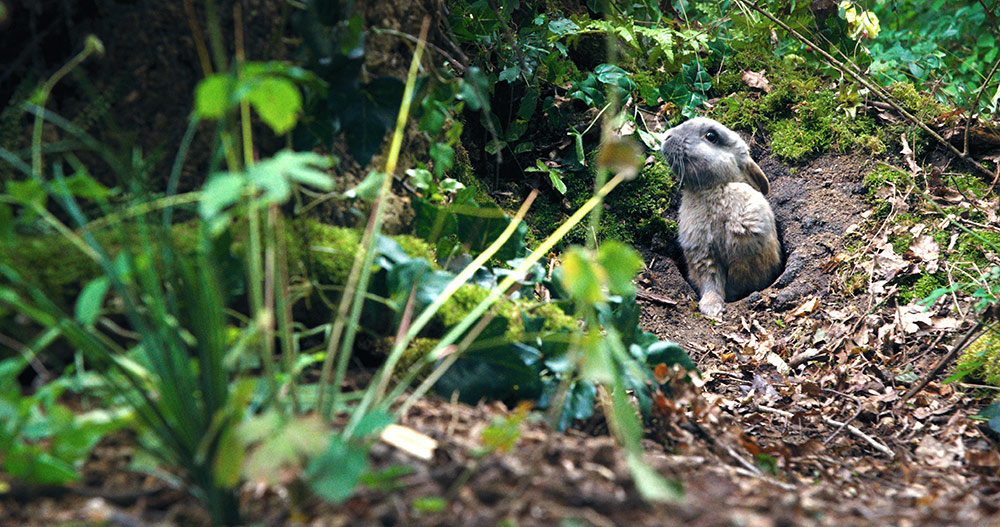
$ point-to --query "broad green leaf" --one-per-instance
(88, 304)
(621, 262)
(228, 458)
(369, 187)
(509, 74)
(443, 156)
(335, 473)
(581, 278)
(211, 96)
(29, 192)
(278, 102)
(275, 176)
(221, 191)
(83, 185)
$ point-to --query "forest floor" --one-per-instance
(791, 424)
(798, 419)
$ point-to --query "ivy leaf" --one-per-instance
(278, 102)
(509, 74)
(211, 96)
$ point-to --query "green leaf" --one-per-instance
(88, 304)
(275, 176)
(581, 278)
(83, 185)
(372, 423)
(211, 96)
(451, 186)
(29, 192)
(429, 504)
(509, 74)
(650, 484)
(228, 458)
(278, 102)
(443, 156)
(621, 262)
(221, 191)
(369, 187)
(335, 473)
(557, 183)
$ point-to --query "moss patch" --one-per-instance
(802, 115)
(632, 212)
(981, 359)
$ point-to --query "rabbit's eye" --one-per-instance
(712, 137)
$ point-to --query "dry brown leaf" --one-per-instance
(807, 307)
(923, 248)
(757, 80)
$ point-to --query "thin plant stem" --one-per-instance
(357, 283)
(460, 279)
(91, 46)
(500, 290)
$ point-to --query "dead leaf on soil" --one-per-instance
(807, 307)
(757, 80)
(913, 317)
(923, 248)
(887, 263)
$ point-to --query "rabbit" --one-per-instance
(726, 227)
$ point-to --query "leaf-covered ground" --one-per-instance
(799, 420)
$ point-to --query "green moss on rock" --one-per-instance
(632, 212)
(981, 358)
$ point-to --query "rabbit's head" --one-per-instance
(703, 153)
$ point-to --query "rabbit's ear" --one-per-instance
(756, 176)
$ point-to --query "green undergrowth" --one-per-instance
(981, 359)
(969, 256)
(805, 114)
(323, 254)
(632, 213)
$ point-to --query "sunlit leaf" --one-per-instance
(278, 102)
(211, 96)
(581, 278)
(621, 262)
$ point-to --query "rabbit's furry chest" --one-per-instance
(731, 227)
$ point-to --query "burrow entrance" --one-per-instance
(814, 204)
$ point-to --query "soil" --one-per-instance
(798, 422)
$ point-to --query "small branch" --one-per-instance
(459, 66)
(942, 362)
(853, 429)
(871, 87)
(975, 105)
(653, 297)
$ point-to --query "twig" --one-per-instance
(836, 64)
(511, 41)
(832, 422)
(841, 428)
(975, 105)
(459, 66)
(653, 297)
(942, 362)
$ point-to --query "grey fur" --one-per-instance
(725, 226)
